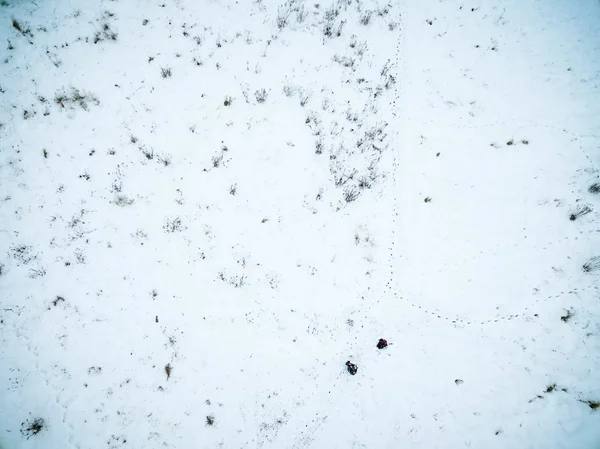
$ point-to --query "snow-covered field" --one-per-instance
(208, 207)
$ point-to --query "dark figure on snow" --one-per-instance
(352, 368)
(382, 343)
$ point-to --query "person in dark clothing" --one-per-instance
(382, 343)
(352, 368)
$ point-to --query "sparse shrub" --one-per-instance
(216, 160)
(288, 90)
(550, 388)
(594, 188)
(568, 316)
(165, 72)
(579, 212)
(301, 14)
(345, 61)
(172, 225)
(351, 195)
(365, 17)
(210, 420)
(594, 405)
(32, 427)
(592, 265)
(168, 370)
(364, 183)
(283, 15)
(165, 160)
(319, 147)
(105, 34)
(148, 153)
(75, 97)
(57, 300)
(16, 25)
(228, 101)
(233, 189)
(261, 95)
(122, 201)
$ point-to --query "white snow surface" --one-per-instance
(208, 207)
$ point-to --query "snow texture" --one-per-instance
(208, 207)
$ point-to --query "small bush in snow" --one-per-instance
(350, 195)
(32, 427)
(261, 95)
(592, 265)
(365, 17)
(165, 72)
(594, 188)
(173, 225)
(580, 212)
(75, 97)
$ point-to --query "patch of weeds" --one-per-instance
(148, 153)
(365, 17)
(168, 370)
(85, 176)
(165, 72)
(289, 90)
(283, 15)
(94, 370)
(580, 212)
(23, 253)
(236, 281)
(37, 272)
(261, 95)
(228, 101)
(133, 139)
(568, 316)
(592, 265)
(427, 199)
(105, 34)
(319, 147)
(145, 22)
(164, 160)
(351, 195)
(122, 201)
(345, 61)
(233, 189)
(197, 61)
(458, 381)
(57, 300)
(32, 427)
(75, 97)
(210, 420)
(550, 388)
(27, 114)
(594, 188)
(217, 160)
(23, 29)
(172, 225)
